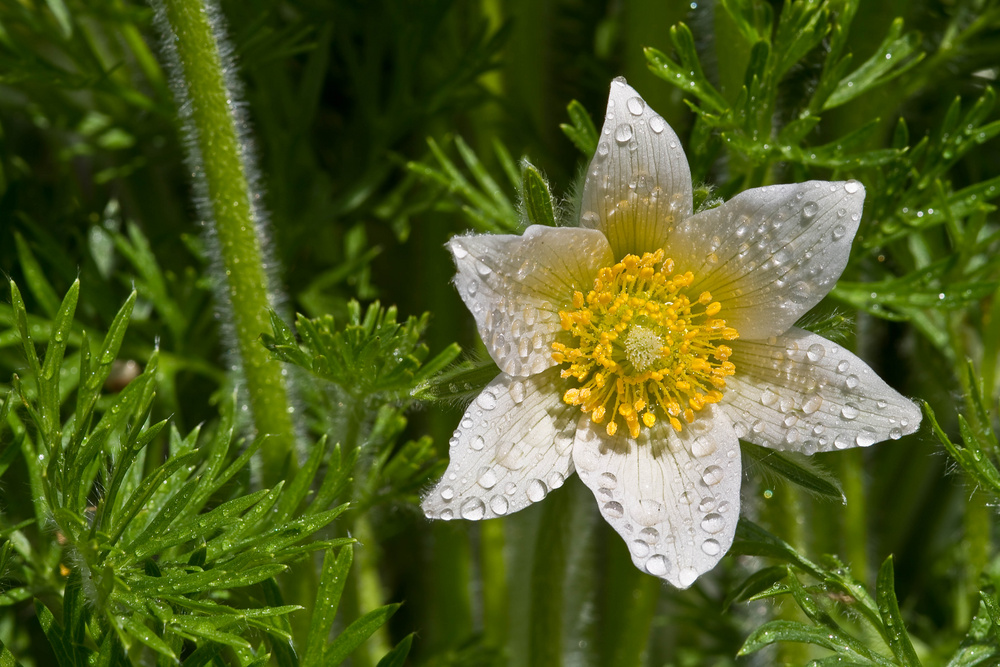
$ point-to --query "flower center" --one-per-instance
(643, 349)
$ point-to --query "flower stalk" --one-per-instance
(219, 157)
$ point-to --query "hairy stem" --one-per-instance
(218, 155)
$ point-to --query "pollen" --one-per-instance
(644, 348)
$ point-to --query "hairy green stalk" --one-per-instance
(224, 180)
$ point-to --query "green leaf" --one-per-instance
(896, 635)
(396, 657)
(796, 468)
(35, 278)
(331, 587)
(356, 633)
(537, 197)
(889, 61)
(773, 632)
(7, 658)
(580, 130)
(686, 75)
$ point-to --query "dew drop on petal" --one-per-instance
(623, 133)
(517, 390)
(852, 187)
(458, 251)
(657, 124)
(608, 480)
(842, 441)
(712, 475)
(635, 105)
(713, 523)
(895, 434)
(768, 397)
(866, 438)
(810, 210)
(711, 547)
(657, 565)
(706, 504)
(486, 400)
(812, 403)
(686, 576)
(640, 548)
(603, 149)
(537, 490)
(447, 515)
(614, 509)
(499, 505)
(447, 493)
(815, 352)
(843, 366)
(849, 412)
(556, 479)
(838, 232)
(488, 479)
(473, 509)
(478, 443)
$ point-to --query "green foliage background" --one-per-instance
(138, 524)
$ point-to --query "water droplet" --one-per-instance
(447, 493)
(812, 403)
(517, 387)
(711, 547)
(838, 232)
(603, 149)
(458, 251)
(623, 133)
(488, 479)
(852, 381)
(640, 548)
(852, 187)
(712, 475)
(843, 366)
(614, 510)
(866, 438)
(657, 565)
(702, 446)
(473, 509)
(608, 481)
(687, 576)
(635, 106)
(842, 441)
(768, 397)
(499, 505)
(895, 434)
(810, 210)
(849, 412)
(537, 490)
(713, 523)
(649, 535)
(706, 504)
(478, 443)
(447, 515)
(758, 426)
(657, 124)
(486, 400)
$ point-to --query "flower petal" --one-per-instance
(802, 392)
(673, 497)
(639, 183)
(512, 447)
(516, 285)
(770, 254)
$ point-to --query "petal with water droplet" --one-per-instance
(832, 410)
(651, 473)
(516, 285)
(784, 262)
(637, 190)
(508, 446)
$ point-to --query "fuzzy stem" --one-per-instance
(220, 158)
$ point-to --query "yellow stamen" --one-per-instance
(642, 348)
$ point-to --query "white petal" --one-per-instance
(512, 447)
(770, 254)
(516, 285)
(639, 183)
(674, 498)
(801, 392)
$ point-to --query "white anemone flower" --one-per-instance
(637, 349)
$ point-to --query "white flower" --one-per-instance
(638, 348)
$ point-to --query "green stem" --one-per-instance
(547, 573)
(224, 185)
(855, 529)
